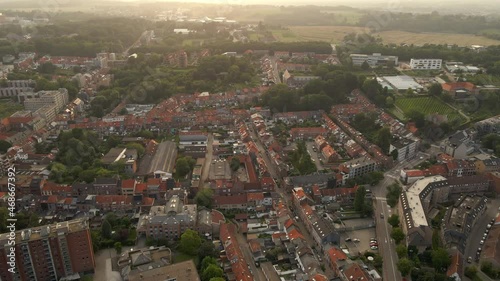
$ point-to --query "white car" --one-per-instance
(481, 242)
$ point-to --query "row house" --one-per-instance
(231, 202)
(239, 269)
(307, 133)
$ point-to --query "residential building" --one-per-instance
(329, 154)
(354, 272)
(307, 133)
(58, 98)
(240, 270)
(15, 88)
(425, 64)
(106, 186)
(491, 247)
(488, 126)
(194, 143)
(460, 219)
(49, 252)
(406, 149)
(373, 60)
(181, 271)
(487, 165)
(358, 167)
(127, 156)
(458, 145)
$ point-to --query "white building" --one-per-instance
(406, 148)
(425, 63)
(373, 60)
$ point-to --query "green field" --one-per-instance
(429, 105)
(7, 107)
(335, 34)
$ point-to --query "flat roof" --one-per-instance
(413, 202)
(402, 82)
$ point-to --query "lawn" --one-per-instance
(8, 107)
(285, 35)
(428, 105)
(335, 34)
(180, 257)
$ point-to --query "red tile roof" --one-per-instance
(255, 196)
(295, 234)
(234, 253)
(335, 254)
(128, 184)
(230, 200)
(355, 272)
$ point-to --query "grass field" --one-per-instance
(428, 105)
(335, 34)
(7, 107)
(286, 35)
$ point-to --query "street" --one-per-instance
(208, 161)
(314, 155)
(257, 273)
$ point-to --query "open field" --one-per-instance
(286, 36)
(8, 107)
(335, 34)
(428, 105)
(332, 34)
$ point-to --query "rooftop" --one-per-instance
(182, 271)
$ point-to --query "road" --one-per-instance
(276, 74)
(282, 191)
(208, 160)
(387, 247)
(314, 155)
(137, 43)
(479, 228)
(257, 273)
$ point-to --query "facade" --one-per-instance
(373, 60)
(49, 252)
(58, 98)
(425, 64)
(194, 143)
(406, 149)
(15, 88)
(359, 167)
(460, 219)
(487, 126)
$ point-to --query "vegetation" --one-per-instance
(361, 203)
(397, 234)
(24, 219)
(190, 242)
(204, 197)
(404, 266)
(428, 105)
(301, 160)
(7, 108)
(488, 269)
(492, 141)
(393, 192)
(115, 232)
(4, 146)
(78, 157)
(372, 178)
(184, 166)
(393, 220)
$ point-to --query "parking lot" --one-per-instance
(363, 235)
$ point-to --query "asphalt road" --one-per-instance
(286, 198)
(208, 160)
(479, 228)
(314, 155)
(257, 273)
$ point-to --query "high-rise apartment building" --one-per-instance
(48, 252)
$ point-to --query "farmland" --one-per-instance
(335, 34)
(428, 105)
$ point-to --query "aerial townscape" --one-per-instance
(248, 140)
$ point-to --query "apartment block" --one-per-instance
(49, 252)
(58, 98)
(425, 63)
(373, 60)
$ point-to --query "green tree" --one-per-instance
(47, 68)
(190, 242)
(365, 65)
(182, 167)
(417, 117)
(384, 139)
(4, 146)
(207, 249)
(106, 229)
(393, 220)
(212, 271)
(137, 146)
(435, 89)
(235, 164)
(440, 259)
(206, 262)
(402, 251)
(389, 101)
(470, 271)
(359, 199)
(118, 247)
(410, 92)
(204, 197)
(397, 234)
(404, 266)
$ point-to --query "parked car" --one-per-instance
(469, 259)
(348, 239)
(355, 240)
